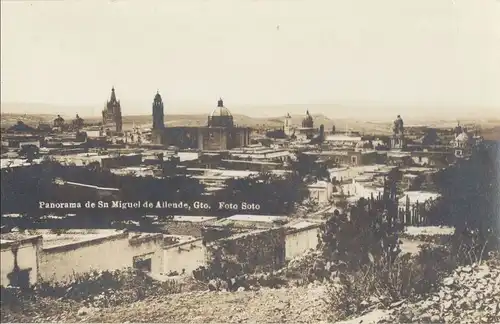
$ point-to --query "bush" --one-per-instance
(383, 283)
(98, 289)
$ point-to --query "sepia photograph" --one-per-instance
(250, 161)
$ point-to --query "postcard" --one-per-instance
(250, 161)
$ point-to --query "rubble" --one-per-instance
(470, 295)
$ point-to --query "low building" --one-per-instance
(301, 237)
(244, 221)
(321, 191)
(58, 257)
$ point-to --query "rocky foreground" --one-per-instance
(469, 295)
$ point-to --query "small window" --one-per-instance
(142, 263)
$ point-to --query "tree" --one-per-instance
(365, 232)
(30, 152)
(274, 194)
(470, 191)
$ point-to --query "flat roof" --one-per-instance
(429, 230)
(257, 218)
(420, 196)
(302, 224)
(193, 219)
(70, 236)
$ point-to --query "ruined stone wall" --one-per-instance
(185, 228)
(261, 250)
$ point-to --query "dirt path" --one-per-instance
(298, 305)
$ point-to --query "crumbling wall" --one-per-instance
(185, 228)
(256, 251)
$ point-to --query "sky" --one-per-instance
(425, 55)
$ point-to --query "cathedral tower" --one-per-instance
(158, 113)
(398, 141)
(112, 113)
(287, 127)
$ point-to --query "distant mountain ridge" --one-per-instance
(363, 124)
(376, 113)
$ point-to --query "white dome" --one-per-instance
(220, 111)
(462, 137)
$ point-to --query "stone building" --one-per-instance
(59, 122)
(287, 125)
(158, 113)
(398, 140)
(462, 143)
(307, 129)
(112, 114)
(220, 133)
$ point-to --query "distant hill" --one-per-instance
(363, 125)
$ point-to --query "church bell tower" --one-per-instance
(158, 113)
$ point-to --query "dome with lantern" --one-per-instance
(220, 116)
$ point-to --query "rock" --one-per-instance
(448, 281)
(425, 317)
(447, 304)
(435, 319)
(212, 285)
(467, 269)
(406, 317)
(462, 303)
(84, 311)
(240, 289)
(396, 304)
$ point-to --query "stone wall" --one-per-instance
(301, 240)
(186, 255)
(20, 257)
(184, 228)
(261, 250)
(59, 263)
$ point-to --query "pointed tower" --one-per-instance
(158, 112)
(287, 127)
(112, 113)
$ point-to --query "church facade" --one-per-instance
(219, 134)
(112, 114)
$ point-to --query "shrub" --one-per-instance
(99, 289)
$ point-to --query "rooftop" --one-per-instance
(420, 196)
(257, 218)
(193, 219)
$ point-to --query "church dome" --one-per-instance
(220, 110)
(462, 137)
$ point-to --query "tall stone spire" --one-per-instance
(158, 112)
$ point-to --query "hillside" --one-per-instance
(490, 127)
